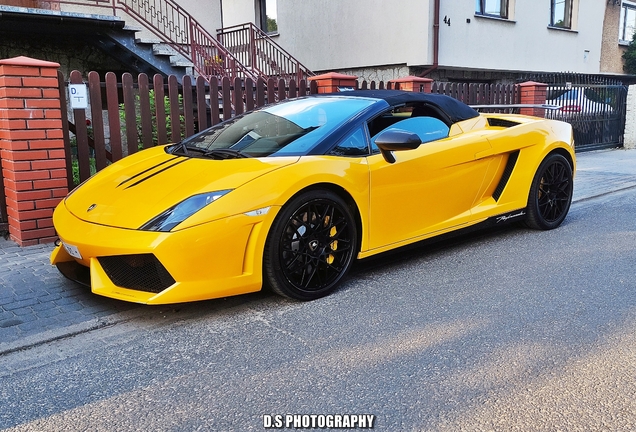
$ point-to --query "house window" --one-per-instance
(268, 16)
(627, 25)
(494, 8)
(561, 13)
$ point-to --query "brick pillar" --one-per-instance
(413, 84)
(31, 147)
(332, 82)
(533, 93)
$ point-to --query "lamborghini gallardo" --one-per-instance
(288, 196)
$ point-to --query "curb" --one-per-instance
(70, 331)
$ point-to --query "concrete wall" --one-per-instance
(629, 138)
(71, 52)
(330, 35)
(379, 73)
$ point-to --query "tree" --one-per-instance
(629, 57)
(272, 26)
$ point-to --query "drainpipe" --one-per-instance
(221, 10)
(435, 41)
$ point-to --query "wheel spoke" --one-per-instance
(554, 192)
(316, 245)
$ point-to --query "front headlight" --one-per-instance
(180, 212)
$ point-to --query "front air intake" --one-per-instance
(141, 272)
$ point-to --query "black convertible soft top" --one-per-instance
(454, 109)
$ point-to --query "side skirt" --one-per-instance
(492, 224)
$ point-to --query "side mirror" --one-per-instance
(396, 140)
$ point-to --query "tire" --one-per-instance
(550, 194)
(311, 246)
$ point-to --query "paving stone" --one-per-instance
(9, 334)
(20, 304)
(28, 294)
(42, 324)
(71, 317)
(10, 322)
(46, 313)
(71, 307)
(5, 315)
(42, 306)
(23, 311)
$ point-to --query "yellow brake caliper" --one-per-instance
(334, 244)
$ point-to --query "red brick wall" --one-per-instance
(31, 147)
(533, 93)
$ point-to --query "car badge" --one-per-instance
(91, 207)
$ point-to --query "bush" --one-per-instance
(629, 57)
(153, 121)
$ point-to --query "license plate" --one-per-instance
(73, 251)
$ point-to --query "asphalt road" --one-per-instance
(506, 330)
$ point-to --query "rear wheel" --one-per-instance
(550, 194)
(311, 246)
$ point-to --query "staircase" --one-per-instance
(250, 53)
(179, 44)
(146, 55)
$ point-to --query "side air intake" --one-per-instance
(497, 122)
(510, 165)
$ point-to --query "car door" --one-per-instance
(427, 190)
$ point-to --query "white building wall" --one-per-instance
(207, 14)
(329, 35)
(237, 12)
(523, 43)
(357, 34)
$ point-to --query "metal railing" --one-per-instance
(259, 53)
(242, 51)
(171, 23)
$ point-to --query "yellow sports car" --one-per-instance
(288, 196)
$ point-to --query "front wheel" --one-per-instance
(550, 194)
(311, 246)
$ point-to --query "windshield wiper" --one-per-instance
(220, 153)
(185, 149)
(226, 153)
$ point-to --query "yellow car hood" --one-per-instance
(131, 192)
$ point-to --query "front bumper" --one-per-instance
(216, 259)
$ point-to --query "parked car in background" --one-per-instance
(577, 100)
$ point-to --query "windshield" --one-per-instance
(290, 128)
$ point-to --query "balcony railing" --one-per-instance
(260, 54)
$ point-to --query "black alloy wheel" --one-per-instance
(311, 246)
(550, 194)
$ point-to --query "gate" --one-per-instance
(595, 106)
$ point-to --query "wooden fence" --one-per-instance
(127, 115)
